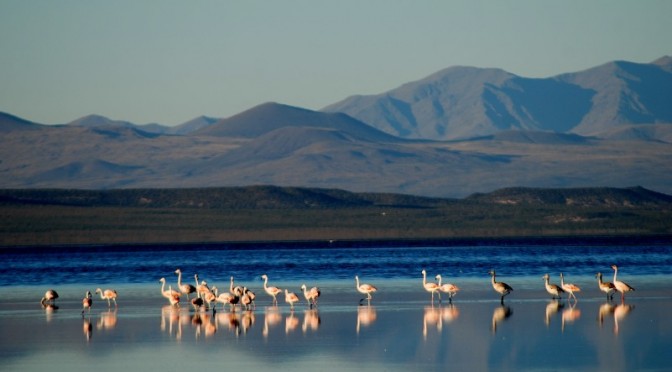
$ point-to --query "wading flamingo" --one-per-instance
(500, 287)
(86, 302)
(366, 289)
(569, 287)
(236, 291)
(430, 287)
(49, 296)
(172, 296)
(552, 289)
(450, 289)
(606, 287)
(291, 298)
(621, 286)
(108, 294)
(272, 291)
(311, 296)
(185, 288)
(201, 288)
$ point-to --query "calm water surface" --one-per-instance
(400, 329)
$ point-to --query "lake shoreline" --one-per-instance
(626, 239)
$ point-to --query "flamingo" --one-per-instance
(86, 302)
(172, 296)
(291, 298)
(552, 289)
(430, 287)
(500, 287)
(246, 299)
(49, 296)
(251, 295)
(569, 287)
(450, 289)
(366, 289)
(202, 287)
(311, 296)
(108, 294)
(606, 287)
(272, 291)
(236, 291)
(224, 298)
(621, 286)
(184, 288)
(197, 303)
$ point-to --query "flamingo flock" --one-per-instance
(207, 298)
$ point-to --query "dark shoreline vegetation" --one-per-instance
(267, 214)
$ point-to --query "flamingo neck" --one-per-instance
(615, 272)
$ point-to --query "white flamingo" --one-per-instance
(185, 288)
(201, 288)
(430, 287)
(172, 296)
(291, 298)
(366, 289)
(312, 295)
(622, 287)
(569, 287)
(108, 294)
(450, 289)
(272, 291)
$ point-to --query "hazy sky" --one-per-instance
(170, 61)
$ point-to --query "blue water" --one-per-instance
(333, 261)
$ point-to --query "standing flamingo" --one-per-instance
(237, 290)
(291, 298)
(430, 287)
(185, 288)
(500, 287)
(366, 289)
(552, 289)
(201, 288)
(272, 291)
(606, 287)
(108, 294)
(172, 296)
(621, 286)
(569, 287)
(49, 296)
(311, 296)
(86, 302)
(450, 289)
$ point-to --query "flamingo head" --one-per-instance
(614, 267)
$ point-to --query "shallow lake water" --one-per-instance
(399, 330)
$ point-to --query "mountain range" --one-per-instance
(456, 132)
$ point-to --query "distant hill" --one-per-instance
(267, 117)
(273, 197)
(251, 197)
(580, 197)
(11, 123)
(98, 121)
(463, 102)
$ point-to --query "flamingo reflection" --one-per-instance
(247, 320)
(366, 315)
(311, 320)
(500, 314)
(620, 312)
(230, 320)
(171, 315)
(432, 316)
(570, 315)
(291, 323)
(87, 328)
(49, 310)
(272, 317)
(605, 309)
(552, 308)
(449, 313)
(108, 320)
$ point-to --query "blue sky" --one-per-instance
(170, 61)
